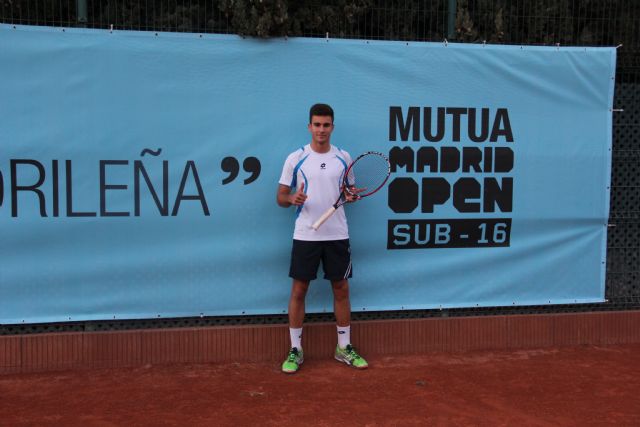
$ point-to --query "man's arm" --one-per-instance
(285, 198)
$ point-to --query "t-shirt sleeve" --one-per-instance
(286, 178)
(347, 158)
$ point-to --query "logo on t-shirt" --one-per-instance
(323, 166)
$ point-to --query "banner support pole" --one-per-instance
(451, 19)
(81, 12)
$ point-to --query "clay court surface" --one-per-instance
(568, 386)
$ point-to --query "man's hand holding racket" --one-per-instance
(352, 195)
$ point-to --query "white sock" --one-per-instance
(344, 336)
(296, 337)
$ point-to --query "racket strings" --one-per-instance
(368, 172)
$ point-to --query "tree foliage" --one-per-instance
(566, 22)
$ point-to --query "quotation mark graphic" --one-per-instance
(232, 167)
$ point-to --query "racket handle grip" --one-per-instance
(325, 216)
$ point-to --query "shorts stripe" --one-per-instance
(346, 274)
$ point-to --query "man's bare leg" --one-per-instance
(341, 302)
(296, 303)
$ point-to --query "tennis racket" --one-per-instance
(364, 176)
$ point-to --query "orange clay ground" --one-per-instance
(568, 386)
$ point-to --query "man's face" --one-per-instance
(321, 128)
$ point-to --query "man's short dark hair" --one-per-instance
(321, 110)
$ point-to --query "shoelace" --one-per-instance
(352, 352)
(293, 356)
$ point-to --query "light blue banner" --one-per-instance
(139, 172)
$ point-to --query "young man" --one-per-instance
(311, 181)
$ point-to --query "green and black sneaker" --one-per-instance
(293, 361)
(350, 356)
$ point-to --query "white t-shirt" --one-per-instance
(322, 176)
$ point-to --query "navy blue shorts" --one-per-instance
(334, 254)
